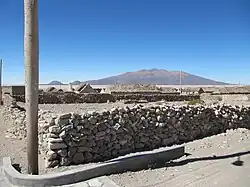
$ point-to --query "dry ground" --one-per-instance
(209, 164)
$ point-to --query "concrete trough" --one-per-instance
(131, 162)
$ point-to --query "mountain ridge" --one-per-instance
(154, 76)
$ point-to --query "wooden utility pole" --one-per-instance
(180, 83)
(31, 57)
(1, 94)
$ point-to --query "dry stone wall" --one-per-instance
(69, 97)
(154, 97)
(76, 139)
(235, 97)
(224, 97)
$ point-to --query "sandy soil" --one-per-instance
(209, 164)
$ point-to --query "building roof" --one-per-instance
(85, 88)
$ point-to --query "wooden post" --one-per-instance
(180, 83)
(1, 74)
(31, 57)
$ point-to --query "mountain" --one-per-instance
(76, 83)
(55, 83)
(156, 76)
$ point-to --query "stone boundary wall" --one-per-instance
(155, 97)
(70, 97)
(76, 139)
(224, 97)
(136, 92)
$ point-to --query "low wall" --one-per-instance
(13, 90)
(136, 92)
(209, 98)
(156, 97)
(61, 98)
(224, 97)
(235, 97)
(76, 139)
(70, 97)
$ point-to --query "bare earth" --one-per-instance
(204, 167)
(210, 164)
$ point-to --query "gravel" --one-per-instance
(194, 167)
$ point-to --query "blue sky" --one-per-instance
(90, 39)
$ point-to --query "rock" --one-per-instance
(78, 158)
(88, 156)
(55, 140)
(67, 127)
(61, 122)
(65, 116)
(62, 152)
(55, 146)
(72, 151)
(123, 142)
(63, 134)
(99, 138)
(144, 139)
(99, 134)
(54, 129)
(114, 153)
(84, 149)
(51, 164)
(167, 141)
(52, 155)
(51, 135)
(65, 161)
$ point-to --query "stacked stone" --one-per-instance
(91, 137)
(69, 97)
(152, 97)
(77, 139)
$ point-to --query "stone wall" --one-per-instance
(136, 92)
(69, 97)
(76, 139)
(209, 98)
(13, 90)
(156, 97)
(134, 87)
(235, 97)
(224, 97)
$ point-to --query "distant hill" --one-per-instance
(151, 76)
(76, 83)
(55, 83)
(155, 76)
